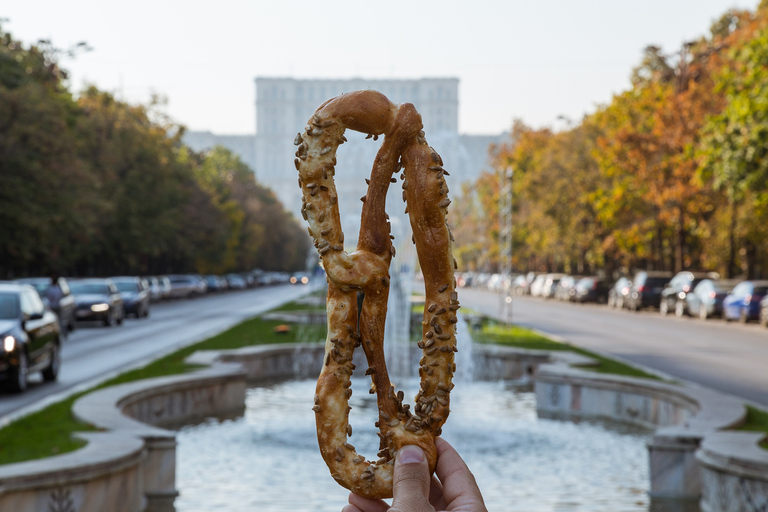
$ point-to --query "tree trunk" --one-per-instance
(732, 266)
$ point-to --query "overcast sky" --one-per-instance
(533, 60)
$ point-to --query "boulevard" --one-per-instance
(731, 358)
(92, 353)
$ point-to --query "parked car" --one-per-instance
(706, 300)
(565, 288)
(215, 283)
(619, 292)
(135, 293)
(591, 289)
(155, 290)
(98, 299)
(235, 282)
(30, 336)
(59, 300)
(674, 292)
(183, 286)
(764, 311)
(743, 303)
(646, 290)
(522, 284)
(550, 285)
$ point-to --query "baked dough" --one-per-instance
(366, 271)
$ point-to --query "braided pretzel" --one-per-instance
(366, 271)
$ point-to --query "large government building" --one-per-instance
(283, 106)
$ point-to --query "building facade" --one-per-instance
(283, 106)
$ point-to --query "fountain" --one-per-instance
(268, 460)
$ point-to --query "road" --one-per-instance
(93, 353)
(731, 358)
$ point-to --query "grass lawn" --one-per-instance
(486, 330)
(757, 421)
(49, 431)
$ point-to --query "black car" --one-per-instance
(674, 292)
(59, 298)
(98, 299)
(646, 290)
(619, 292)
(29, 336)
(706, 300)
(592, 289)
(136, 295)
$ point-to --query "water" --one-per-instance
(268, 460)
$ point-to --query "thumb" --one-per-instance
(411, 481)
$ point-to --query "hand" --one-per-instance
(453, 489)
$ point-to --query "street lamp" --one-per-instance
(505, 244)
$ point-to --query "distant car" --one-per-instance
(565, 288)
(235, 282)
(98, 299)
(522, 284)
(743, 303)
(619, 292)
(550, 285)
(299, 278)
(155, 290)
(646, 290)
(537, 285)
(62, 302)
(706, 299)
(591, 289)
(136, 295)
(29, 337)
(215, 283)
(674, 292)
(183, 286)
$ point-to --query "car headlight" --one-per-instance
(98, 308)
(9, 343)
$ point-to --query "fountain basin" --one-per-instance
(112, 477)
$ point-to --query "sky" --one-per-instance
(546, 62)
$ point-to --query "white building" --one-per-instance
(283, 106)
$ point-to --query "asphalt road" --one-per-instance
(92, 353)
(732, 358)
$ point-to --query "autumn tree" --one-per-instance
(735, 148)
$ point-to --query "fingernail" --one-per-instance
(410, 455)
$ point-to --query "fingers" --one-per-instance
(436, 494)
(459, 485)
(360, 504)
(411, 481)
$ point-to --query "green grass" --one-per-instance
(485, 330)
(49, 431)
(757, 421)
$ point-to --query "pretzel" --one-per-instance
(364, 274)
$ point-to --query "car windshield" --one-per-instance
(88, 288)
(9, 306)
(126, 286)
(656, 281)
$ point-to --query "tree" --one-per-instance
(735, 148)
